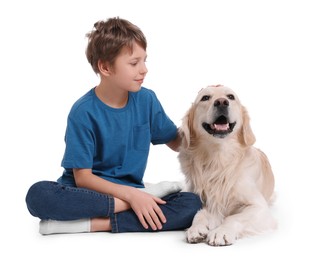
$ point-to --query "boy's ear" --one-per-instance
(104, 68)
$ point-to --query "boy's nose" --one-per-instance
(143, 69)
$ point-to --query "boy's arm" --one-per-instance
(143, 204)
(175, 143)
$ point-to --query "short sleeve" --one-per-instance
(79, 145)
(163, 129)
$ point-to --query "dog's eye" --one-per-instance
(231, 97)
(205, 98)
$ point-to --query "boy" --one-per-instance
(108, 135)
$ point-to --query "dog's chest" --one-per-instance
(216, 184)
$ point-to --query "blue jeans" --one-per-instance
(51, 200)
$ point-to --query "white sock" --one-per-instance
(163, 188)
(50, 226)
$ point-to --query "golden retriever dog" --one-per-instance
(233, 178)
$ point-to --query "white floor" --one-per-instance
(24, 241)
(20, 238)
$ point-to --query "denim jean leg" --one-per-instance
(51, 200)
(179, 210)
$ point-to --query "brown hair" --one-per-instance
(108, 38)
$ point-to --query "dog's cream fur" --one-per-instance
(233, 178)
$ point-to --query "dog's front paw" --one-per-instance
(221, 237)
(196, 234)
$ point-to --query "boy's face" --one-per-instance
(129, 69)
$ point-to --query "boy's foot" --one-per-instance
(163, 188)
(47, 227)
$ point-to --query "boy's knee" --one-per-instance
(182, 207)
(193, 201)
(36, 190)
(36, 197)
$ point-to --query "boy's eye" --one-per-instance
(205, 98)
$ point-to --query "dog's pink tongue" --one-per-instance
(223, 127)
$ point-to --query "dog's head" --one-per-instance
(217, 114)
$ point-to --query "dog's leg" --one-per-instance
(202, 223)
(163, 188)
(253, 219)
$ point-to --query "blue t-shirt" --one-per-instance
(114, 143)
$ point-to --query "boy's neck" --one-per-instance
(112, 97)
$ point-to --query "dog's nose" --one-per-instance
(221, 102)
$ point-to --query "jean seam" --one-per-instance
(112, 215)
(111, 205)
(114, 225)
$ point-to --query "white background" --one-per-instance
(258, 48)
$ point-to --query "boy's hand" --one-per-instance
(146, 208)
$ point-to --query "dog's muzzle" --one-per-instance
(220, 127)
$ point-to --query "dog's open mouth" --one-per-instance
(220, 127)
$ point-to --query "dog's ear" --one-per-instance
(186, 129)
(247, 136)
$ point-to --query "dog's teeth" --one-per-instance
(221, 127)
